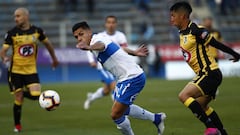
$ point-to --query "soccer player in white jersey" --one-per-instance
(106, 77)
(111, 31)
(116, 36)
(130, 77)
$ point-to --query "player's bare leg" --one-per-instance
(188, 96)
(99, 93)
(33, 91)
(211, 113)
(119, 112)
(123, 123)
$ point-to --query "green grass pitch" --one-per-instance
(158, 96)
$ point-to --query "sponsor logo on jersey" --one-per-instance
(26, 50)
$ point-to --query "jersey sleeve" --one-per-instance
(42, 35)
(100, 38)
(90, 57)
(7, 39)
(123, 40)
(203, 36)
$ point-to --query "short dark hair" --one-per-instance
(182, 5)
(111, 16)
(82, 25)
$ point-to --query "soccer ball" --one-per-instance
(49, 100)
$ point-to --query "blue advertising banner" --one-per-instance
(74, 66)
(3, 73)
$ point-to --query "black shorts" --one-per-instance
(208, 83)
(19, 81)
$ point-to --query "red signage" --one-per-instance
(173, 52)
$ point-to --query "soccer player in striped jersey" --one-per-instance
(129, 75)
(22, 73)
(194, 42)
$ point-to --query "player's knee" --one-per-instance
(116, 115)
(181, 97)
(19, 95)
(34, 87)
(18, 99)
(106, 91)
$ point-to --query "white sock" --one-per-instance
(125, 127)
(97, 94)
(140, 113)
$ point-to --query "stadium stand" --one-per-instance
(49, 14)
(227, 23)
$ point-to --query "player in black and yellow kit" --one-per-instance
(22, 39)
(208, 24)
(194, 42)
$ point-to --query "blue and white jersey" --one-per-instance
(118, 37)
(115, 59)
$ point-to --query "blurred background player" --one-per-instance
(115, 35)
(208, 24)
(22, 72)
(120, 39)
(129, 75)
(111, 31)
(106, 77)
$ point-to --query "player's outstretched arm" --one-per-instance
(98, 46)
(3, 55)
(50, 49)
(142, 51)
(236, 56)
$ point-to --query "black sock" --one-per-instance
(17, 113)
(29, 96)
(197, 110)
(216, 120)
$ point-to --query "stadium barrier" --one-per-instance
(164, 61)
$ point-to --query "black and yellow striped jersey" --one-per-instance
(194, 42)
(24, 48)
(212, 50)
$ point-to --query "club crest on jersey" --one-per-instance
(26, 50)
(34, 39)
(184, 39)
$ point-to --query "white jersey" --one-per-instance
(115, 59)
(118, 38)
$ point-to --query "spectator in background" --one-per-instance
(225, 5)
(146, 30)
(208, 23)
(143, 5)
